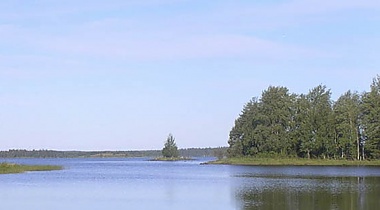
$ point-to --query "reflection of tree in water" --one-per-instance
(346, 193)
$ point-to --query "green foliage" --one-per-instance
(371, 119)
(170, 149)
(275, 118)
(264, 124)
(347, 127)
(220, 153)
(280, 124)
(319, 122)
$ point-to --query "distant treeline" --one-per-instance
(310, 125)
(191, 152)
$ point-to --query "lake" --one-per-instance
(135, 183)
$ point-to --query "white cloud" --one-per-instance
(289, 13)
(320, 7)
(16, 10)
(216, 33)
(123, 46)
(126, 39)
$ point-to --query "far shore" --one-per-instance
(10, 168)
(171, 159)
(251, 161)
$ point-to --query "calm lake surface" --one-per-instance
(136, 183)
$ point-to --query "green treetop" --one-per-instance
(170, 149)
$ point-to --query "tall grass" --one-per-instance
(9, 168)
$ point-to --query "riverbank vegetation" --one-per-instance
(8, 168)
(252, 161)
(310, 126)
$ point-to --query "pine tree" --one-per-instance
(170, 149)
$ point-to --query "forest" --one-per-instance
(188, 152)
(312, 125)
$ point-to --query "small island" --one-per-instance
(11, 168)
(170, 151)
(171, 159)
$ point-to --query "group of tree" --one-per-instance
(187, 152)
(309, 125)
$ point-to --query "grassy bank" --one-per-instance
(250, 161)
(8, 168)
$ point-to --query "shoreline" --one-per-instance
(249, 161)
(11, 168)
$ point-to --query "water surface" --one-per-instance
(136, 183)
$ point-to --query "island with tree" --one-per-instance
(170, 151)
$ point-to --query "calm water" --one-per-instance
(140, 184)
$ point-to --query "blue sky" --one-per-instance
(122, 75)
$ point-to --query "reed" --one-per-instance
(10, 168)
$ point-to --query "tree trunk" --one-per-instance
(363, 158)
(358, 147)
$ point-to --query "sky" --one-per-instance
(122, 75)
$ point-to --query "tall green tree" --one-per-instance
(317, 130)
(235, 140)
(322, 120)
(170, 148)
(275, 117)
(264, 125)
(242, 136)
(347, 127)
(371, 119)
(303, 130)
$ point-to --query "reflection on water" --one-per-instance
(135, 183)
(296, 192)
